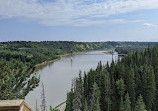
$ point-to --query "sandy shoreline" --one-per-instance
(51, 61)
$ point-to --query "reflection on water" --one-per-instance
(57, 76)
(71, 61)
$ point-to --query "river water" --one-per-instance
(57, 76)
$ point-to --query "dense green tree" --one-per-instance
(108, 92)
(85, 85)
(81, 89)
(121, 107)
(156, 82)
(69, 101)
(95, 99)
(77, 101)
(85, 105)
(140, 106)
(127, 103)
(121, 89)
(150, 88)
(130, 81)
(16, 79)
(135, 74)
(97, 105)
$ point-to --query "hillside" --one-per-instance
(38, 52)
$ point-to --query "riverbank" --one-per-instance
(45, 63)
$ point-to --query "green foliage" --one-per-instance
(149, 86)
(127, 103)
(85, 105)
(69, 101)
(121, 108)
(134, 75)
(138, 70)
(38, 52)
(77, 101)
(16, 79)
(130, 81)
(53, 109)
(128, 47)
(120, 87)
(127, 50)
(95, 98)
(18, 59)
(140, 106)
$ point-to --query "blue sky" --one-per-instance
(79, 20)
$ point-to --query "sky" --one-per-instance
(79, 20)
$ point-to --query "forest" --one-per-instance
(129, 49)
(129, 84)
(38, 52)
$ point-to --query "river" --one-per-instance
(57, 76)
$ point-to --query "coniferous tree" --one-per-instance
(150, 88)
(97, 105)
(77, 104)
(85, 86)
(127, 103)
(130, 80)
(16, 79)
(81, 89)
(138, 73)
(90, 80)
(85, 105)
(121, 88)
(113, 93)
(140, 106)
(156, 81)
(121, 107)
(95, 98)
(121, 70)
(108, 91)
(69, 101)
(99, 67)
(108, 67)
(102, 83)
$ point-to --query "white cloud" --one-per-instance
(117, 20)
(71, 12)
(124, 21)
(150, 25)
